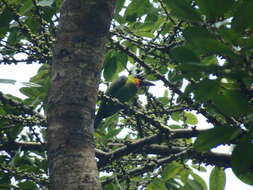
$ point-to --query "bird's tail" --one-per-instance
(97, 122)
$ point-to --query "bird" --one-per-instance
(124, 89)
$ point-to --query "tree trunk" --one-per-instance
(78, 57)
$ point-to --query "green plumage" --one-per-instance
(124, 90)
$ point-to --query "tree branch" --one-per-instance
(20, 106)
(175, 134)
(209, 158)
(145, 145)
(40, 179)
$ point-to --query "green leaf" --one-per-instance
(119, 5)
(176, 116)
(175, 77)
(147, 28)
(2, 111)
(45, 3)
(200, 89)
(27, 185)
(173, 185)
(157, 184)
(166, 93)
(165, 99)
(111, 186)
(191, 119)
(223, 96)
(229, 35)
(8, 81)
(35, 95)
(5, 178)
(184, 175)
(215, 136)
(242, 161)
(15, 131)
(110, 123)
(26, 7)
(33, 24)
(173, 126)
(210, 61)
(197, 70)
(203, 41)
(5, 17)
(144, 34)
(187, 117)
(200, 180)
(58, 3)
(110, 68)
(171, 170)
(137, 8)
(242, 14)
(122, 59)
(37, 89)
(232, 103)
(217, 180)
(192, 185)
(209, 8)
(183, 9)
(114, 63)
(7, 186)
(14, 36)
(184, 54)
(199, 168)
(108, 129)
(22, 161)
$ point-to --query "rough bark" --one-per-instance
(77, 61)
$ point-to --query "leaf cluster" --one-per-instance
(199, 55)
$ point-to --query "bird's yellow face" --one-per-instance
(134, 80)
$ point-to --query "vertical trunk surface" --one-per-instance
(78, 57)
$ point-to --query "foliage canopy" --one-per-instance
(201, 51)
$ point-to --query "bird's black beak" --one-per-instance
(146, 83)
